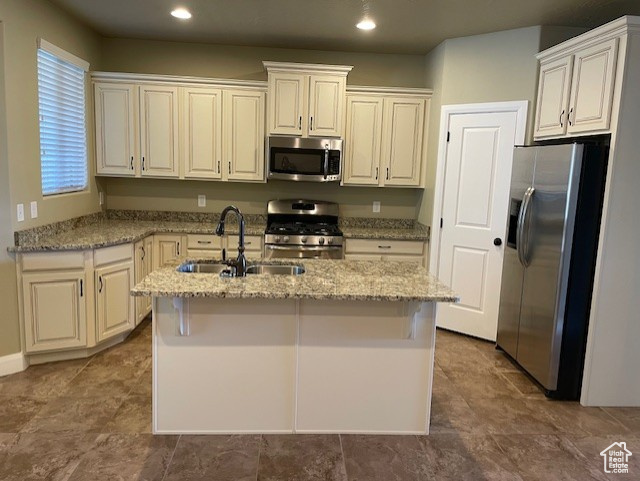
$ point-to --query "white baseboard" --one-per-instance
(12, 363)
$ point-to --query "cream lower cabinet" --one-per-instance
(114, 304)
(143, 265)
(385, 139)
(167, 248)
(576, 90)
(55, 310)
(204, 246)
(391, 250)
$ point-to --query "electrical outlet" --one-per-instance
(202, 201)
(376, 206)
(34, 209)
(101, 198)
(20, 212)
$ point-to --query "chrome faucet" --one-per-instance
(239, 265)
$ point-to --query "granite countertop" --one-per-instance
(323, 279)
(103, 232)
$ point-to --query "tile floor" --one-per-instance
(90, 420)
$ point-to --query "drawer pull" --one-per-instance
(384, 247)
(204, 242)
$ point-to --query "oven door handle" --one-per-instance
(302, 248)
(326, 160)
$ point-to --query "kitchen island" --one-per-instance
(347, 347)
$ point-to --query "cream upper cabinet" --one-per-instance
(384, 138)
(402, 128)
(114, 304)
(202, 133)
(159, 130)
(115, 115)
(243, 135)
(326, 105)
(576, 90)
(286, 93)
(592, 88)
(363, 140)
(553, 97)
(54, 310)
(307, 100)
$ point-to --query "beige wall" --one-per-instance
(245, 63)
(23, 22)
(192, 59)
(175, 195)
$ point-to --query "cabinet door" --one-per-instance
(286, 101)
(243, 132)
(363, 141)
(402, 141)
(54, 311)
(167, 248)
(115, 129)
(114, 303)
(142, 267)
(159, 131)
(554, 83)
(592, 88)
(202, 141)
(326, 105)
(148, 266)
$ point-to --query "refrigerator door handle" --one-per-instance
(522, 234)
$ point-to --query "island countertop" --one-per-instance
(322, 280)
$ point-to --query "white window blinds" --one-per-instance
(63, 136)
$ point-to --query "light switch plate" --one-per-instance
(376, 206)
(34, 209)
(202, 201)
(20, 212)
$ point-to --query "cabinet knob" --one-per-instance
(497, 241)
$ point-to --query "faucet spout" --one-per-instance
(240, 262)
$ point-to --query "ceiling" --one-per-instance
(404, 26)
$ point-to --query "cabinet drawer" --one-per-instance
(42, 261)
(204, 253)
(381, 246)
(109, 255)
(204, 241)
(253, 243)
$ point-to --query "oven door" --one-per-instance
(302, 252)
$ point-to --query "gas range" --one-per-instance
(303, 229)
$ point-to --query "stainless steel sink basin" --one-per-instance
(218, 268)
(275, 269)
(203, 268)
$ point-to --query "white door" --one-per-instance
(243, 132)
(159, 131)
(115, 129)
(592, 87)
(363, 140)
(402, 131)
(326, 105)
(554, 84)
(475, 197)
(286, 100)
(202, 124)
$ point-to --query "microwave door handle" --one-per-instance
(326, 161)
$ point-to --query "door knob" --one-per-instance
(497, 241)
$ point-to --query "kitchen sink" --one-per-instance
(218, 268)
(275, 269)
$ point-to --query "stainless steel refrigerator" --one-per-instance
(547, 277)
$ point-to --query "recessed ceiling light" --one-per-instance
(181, 13)
(366, 25)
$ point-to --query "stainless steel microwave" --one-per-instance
(314, 160)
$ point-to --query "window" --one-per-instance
(63, 130)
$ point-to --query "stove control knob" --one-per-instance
(277, 238)
(330, 240)
(285, 239)
(321, 240)
(303, 239)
